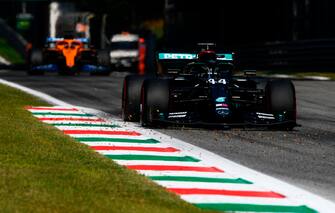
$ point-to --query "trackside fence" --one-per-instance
(298, 55)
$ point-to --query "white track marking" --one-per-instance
(4, 61)
(319, 78)
(238, 199)
(41, 95)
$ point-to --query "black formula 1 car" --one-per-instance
(200, 89)
(68, 56)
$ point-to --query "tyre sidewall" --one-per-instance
(281, 98)
(131, 97)
(154, 101)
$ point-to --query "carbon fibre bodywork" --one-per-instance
(240, 101)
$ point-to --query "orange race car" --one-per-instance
(68, 56)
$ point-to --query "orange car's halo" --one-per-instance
(70, 49)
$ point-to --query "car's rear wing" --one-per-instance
(174, 62)
(192, 56)
(177, 56)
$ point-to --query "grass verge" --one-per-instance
(9, 53)
(42, 170)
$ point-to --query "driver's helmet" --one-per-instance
(207, 56)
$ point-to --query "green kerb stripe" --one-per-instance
(62, 114)
(200, 179)
(88, 125)
(254, 208)
(153, 157)
(120, 140)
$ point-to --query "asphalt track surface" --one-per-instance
(304, 157)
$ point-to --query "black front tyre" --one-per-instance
(131, 97)
(154, 101)
(281, 99)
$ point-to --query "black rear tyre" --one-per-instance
(131, 97)
(280, 98)
(154, 101)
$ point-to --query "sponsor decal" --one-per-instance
(190, 56)
(224, 56)
(177, 114)
(221, 105)
(221, 99)
(265, 116)
(176, 56)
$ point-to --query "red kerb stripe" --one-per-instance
(174, 168)
(183, 191)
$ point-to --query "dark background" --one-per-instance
(264, 34)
